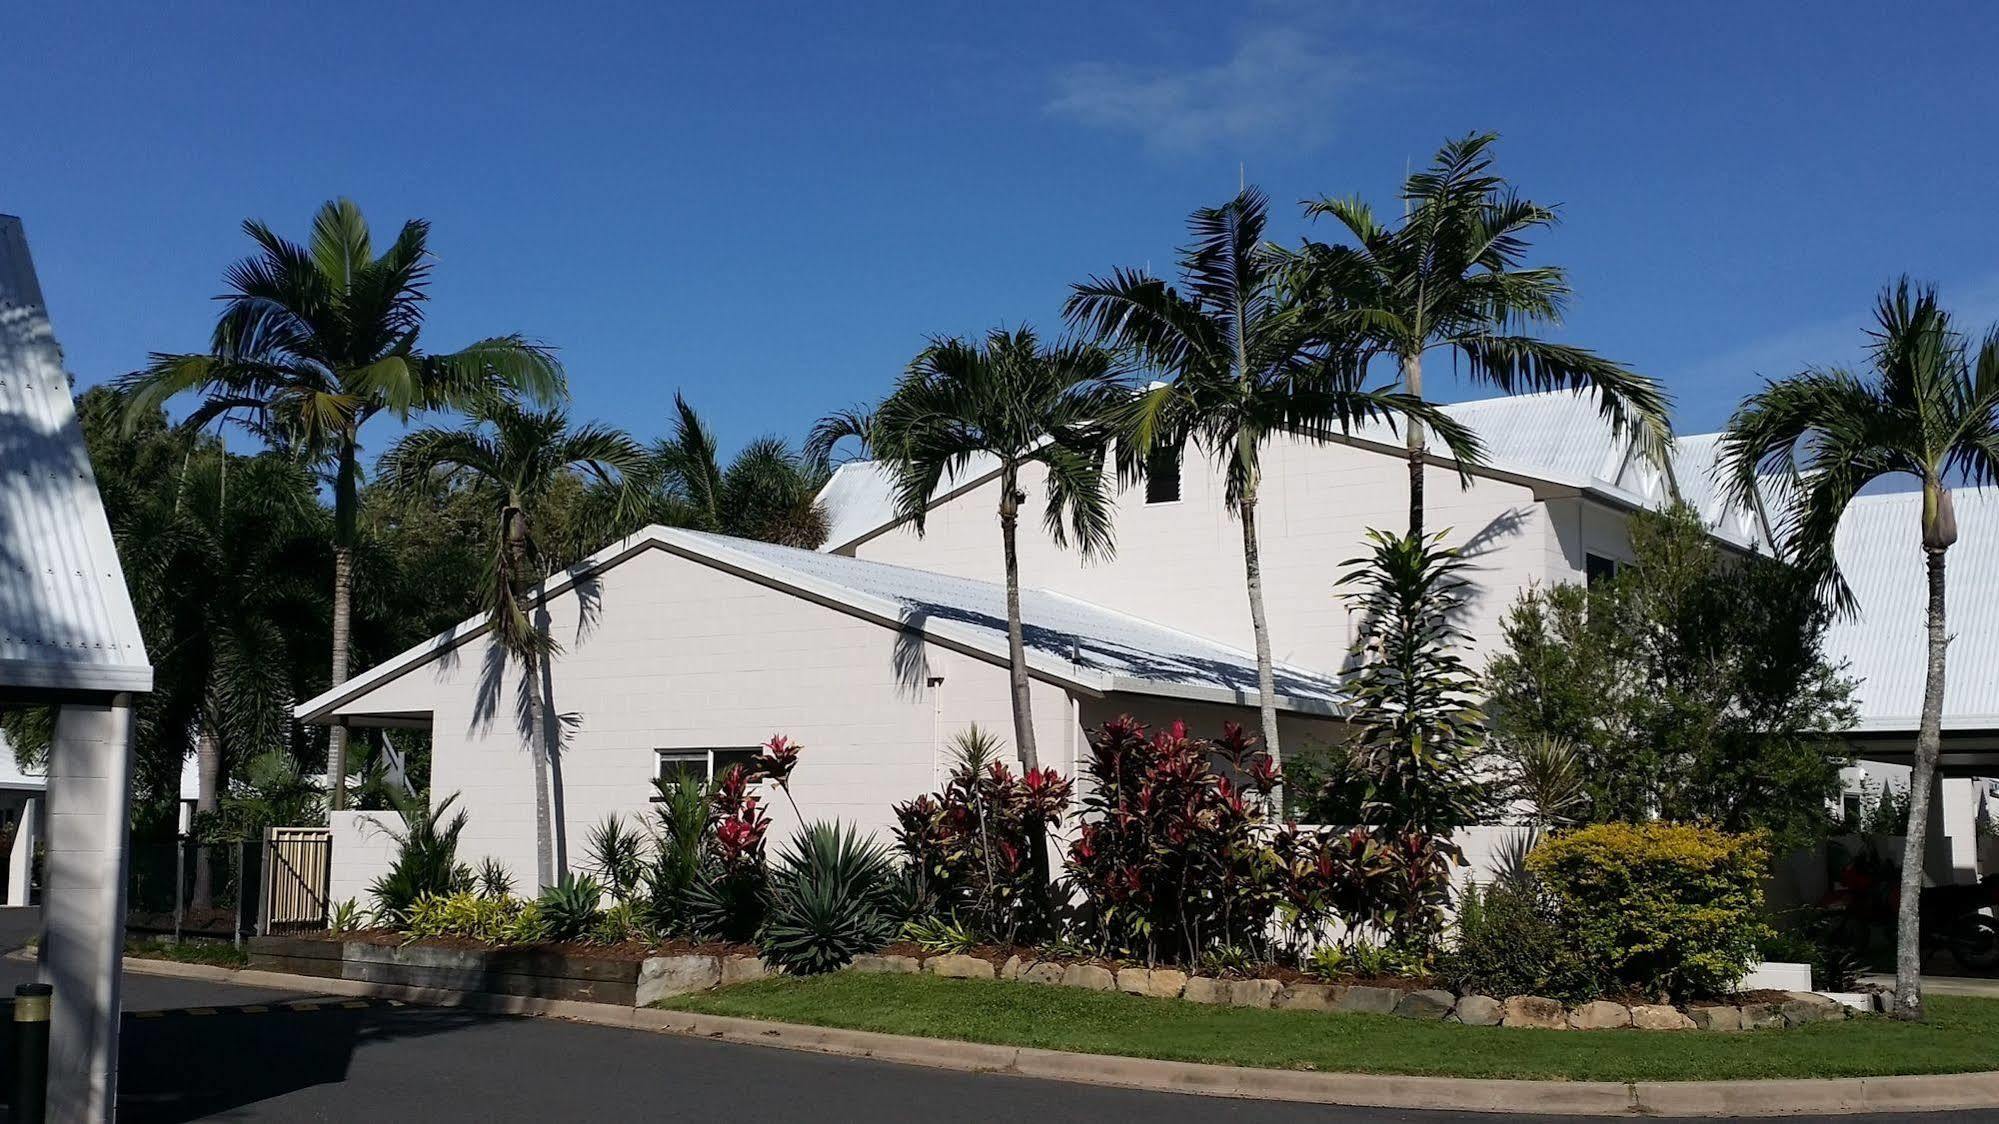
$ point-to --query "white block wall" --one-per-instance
(363, 850)
(1181, 563)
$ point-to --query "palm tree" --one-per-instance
(1449, 276)
(521, 454)
(1246, 363)
(1928, 409)
(1012, 399)
(767, 492)
(313, 342)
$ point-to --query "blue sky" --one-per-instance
(772, 207)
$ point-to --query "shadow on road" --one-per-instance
(181, 1065)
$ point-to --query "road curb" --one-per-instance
(1833, 1096)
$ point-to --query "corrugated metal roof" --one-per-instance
(1071, 641)
(66, 621)
(1879, 547)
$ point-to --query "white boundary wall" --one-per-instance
(362, 852)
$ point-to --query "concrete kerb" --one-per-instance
(1910, 1093)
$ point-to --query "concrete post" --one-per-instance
(21, 861)
(83, 904)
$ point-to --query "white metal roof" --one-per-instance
(66, 620)
(1879, 548)
(1098, 650)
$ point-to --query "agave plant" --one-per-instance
(831, 899)
(571, 908)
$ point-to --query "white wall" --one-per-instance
(682, 655)
(1181, 563)
(363, 850)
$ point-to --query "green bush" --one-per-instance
(426, 863)
(832, 898)
(1509, 941)
(463, 914)
(1659, 908)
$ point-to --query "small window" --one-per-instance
(1597, 568)
(699, 764)
(1162, 475)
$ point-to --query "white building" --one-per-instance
(875, 652)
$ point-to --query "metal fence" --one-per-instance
(229, 891)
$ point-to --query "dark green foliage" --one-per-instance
(832, 898)
(1418, 752)
(768, 491)
(726, 903)
(570, 909)
(271, 792)
(670, 873)
(617, 853)
(1509, 941)
(1691, 684)
(426, 863)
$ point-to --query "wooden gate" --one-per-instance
(298, 861)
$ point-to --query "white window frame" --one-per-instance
(706, 754)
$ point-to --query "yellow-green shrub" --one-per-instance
(1672, 908)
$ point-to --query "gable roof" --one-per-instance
(66, 620)
(1084, 646)
(1557, 439)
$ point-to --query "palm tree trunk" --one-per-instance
(1266, 673)
(208, 784)
(343, 613)
(1412, 385)
(544, 809)
(346, 497)
(1016, 645)
(1929, 737)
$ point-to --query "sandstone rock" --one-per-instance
(899, 965)
(1091, 976)
(1762, 1016)
(1041, 972)
(1162, 983)
(1253, 993)
(1600, 1014)
(1478, 1010)
(1716, 1018)
(1368, 1000)
(1806, 1007)
(1307, 997)
(1011, 969)
(1658, 1016)
(1535, 1011)
(1430, 1004)
(1205, 989)
(957, 967)
(743, 969)
(661, 976)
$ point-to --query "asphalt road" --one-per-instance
(242, 1054)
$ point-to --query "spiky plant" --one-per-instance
(832, 899)
(617, 854)
(570, 909)
(426, 862)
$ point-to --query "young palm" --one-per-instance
(521, 455)
(767, 492)
(1009, 398)
(314, 342)
(1929, 409)
(1246, 364)
(1449, 276)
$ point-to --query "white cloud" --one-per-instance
(1277, 81)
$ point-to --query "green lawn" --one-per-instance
(187, 952)
(1961, 1035)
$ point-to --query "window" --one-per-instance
(1597, 568)
(1162, 475)
(699, 764)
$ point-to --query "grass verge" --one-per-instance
(1962, 1034)
(187, 952)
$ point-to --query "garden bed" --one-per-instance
(631, 974)
(1961, 1034)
